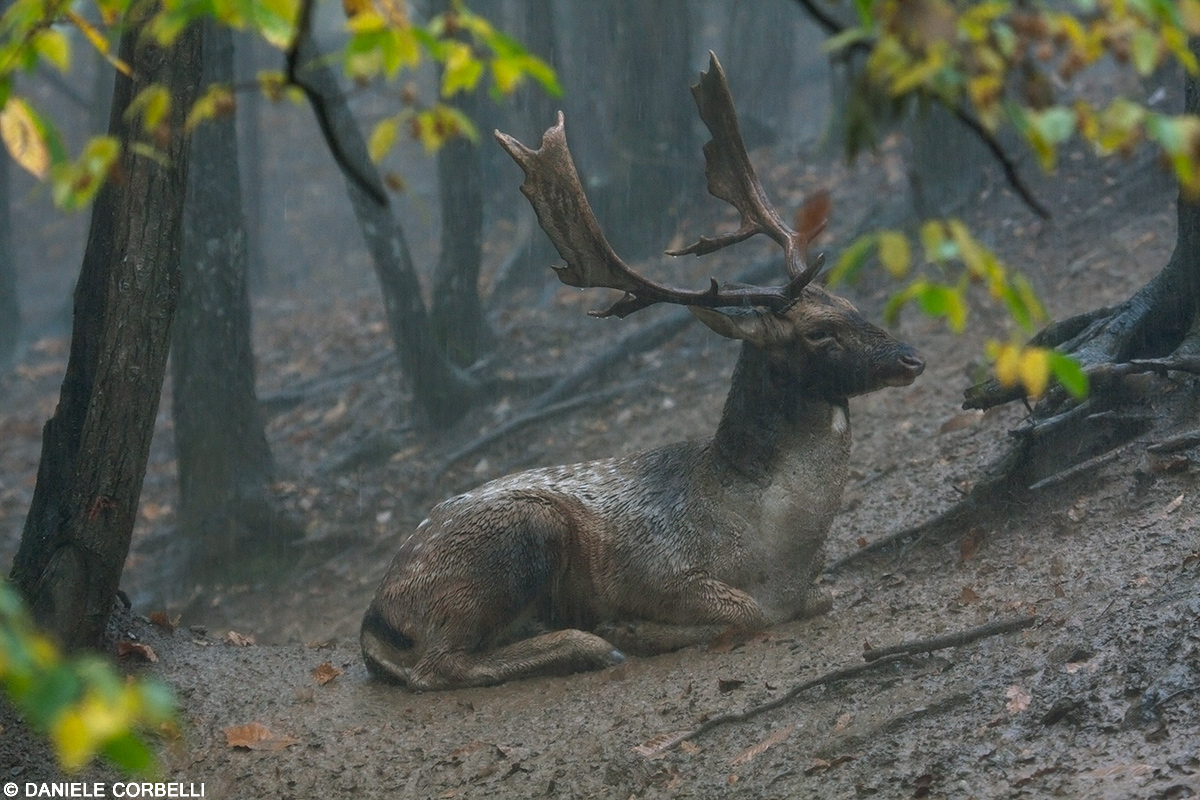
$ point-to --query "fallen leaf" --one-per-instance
(821, 765)
(969, 544)
(239, 640)
(325, 672)
(1018, 700)
(659, 745)
(727, 685)
(167, 623)
(128, 649)
(1173, 505)
(960, 421)
(968, 596)
(842, 723)
(733, 638)
(751, 753)
(861, 541)
(256, 736)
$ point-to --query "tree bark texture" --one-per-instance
(249, 116)
(441, 392)
(94, 449)
(653, 118)
(10, 304)
(225, 465)
(455, 311)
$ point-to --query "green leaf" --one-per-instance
(1145, 50)
(851, 260)
(462, 70)
(943, 301)
(846, 38)
(129, 753)
(891, 309)
(1070, 374)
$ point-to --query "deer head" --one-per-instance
(821, 338)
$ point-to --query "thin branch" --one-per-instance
(832, 26)
(994, 628)
(1006, 163)
(315, 99)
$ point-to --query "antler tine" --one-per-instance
(731, 178)
(553, 188)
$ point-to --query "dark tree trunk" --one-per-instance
(652, 121)
(94, 449)
(245, 51)
(530, 112)
(761, 75)
(441, 391)
(226, 512)
(10, 305)
(947, 166)
(455, 312)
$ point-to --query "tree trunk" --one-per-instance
(455, 312)
(245, 52)
(441, 391)
(652, 122)
(946, 169)
(10, 305)
(94, 449)
(226, 511)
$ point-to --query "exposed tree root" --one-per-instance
(874, 660)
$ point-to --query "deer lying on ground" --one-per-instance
(565, 569)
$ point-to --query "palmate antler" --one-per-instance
(553, 187)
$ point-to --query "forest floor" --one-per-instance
(1098, 697)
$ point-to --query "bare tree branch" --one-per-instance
(372, 188)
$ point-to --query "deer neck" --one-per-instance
(772, 418)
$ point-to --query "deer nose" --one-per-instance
(913, 363)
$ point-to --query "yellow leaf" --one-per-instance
(506, 73)
(894, 253)
(382, 139)
(933, 240)
(52, 45)
(23, 137)
(1007, 364)
(1035, 370)
(95, 37)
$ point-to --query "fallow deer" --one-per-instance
(567, 568)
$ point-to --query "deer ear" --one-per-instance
(751, 325)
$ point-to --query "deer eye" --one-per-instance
(819, 336)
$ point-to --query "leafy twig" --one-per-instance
(372, 188)
(833, 27)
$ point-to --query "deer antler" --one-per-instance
(553, 188)
(731, 178)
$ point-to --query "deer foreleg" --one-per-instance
(556, 653)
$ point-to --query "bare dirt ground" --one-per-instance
(1097, 698)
